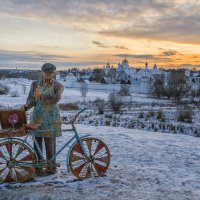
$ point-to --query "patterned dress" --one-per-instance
(46, 111)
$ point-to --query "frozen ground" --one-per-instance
(144, 165)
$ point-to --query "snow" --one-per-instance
(144, 165)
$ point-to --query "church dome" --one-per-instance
(125, 61)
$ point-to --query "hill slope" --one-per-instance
(144, 165)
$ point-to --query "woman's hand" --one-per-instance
(37, 93)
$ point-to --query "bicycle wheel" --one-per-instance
(94, 164)
(14, 154)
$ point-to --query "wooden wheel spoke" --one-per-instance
(99, 147)
(100, 169)
(76, 158)
(101, 155)
(3, 156)
(28, 157)
(2, 170)
(104, 159)
(77, 170)
(8, 178)
(78, 149)
(19, 151)
(89, 145)
(9, 148)
(83, 171)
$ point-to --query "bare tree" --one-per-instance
(83, 89)
(24, 88)
(124, 90)
(115, 101)
(158, 86)
(180, 85)
(100, 105)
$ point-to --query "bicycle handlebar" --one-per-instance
(78, 115)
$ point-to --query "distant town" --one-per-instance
(139, 80)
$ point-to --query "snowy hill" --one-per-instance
(144, 165)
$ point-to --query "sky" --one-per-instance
(90, 33)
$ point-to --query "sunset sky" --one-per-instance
(93, 32)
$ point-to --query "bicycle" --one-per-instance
(87, 156)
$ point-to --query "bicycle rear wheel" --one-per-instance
(14, 154)
(94, 164)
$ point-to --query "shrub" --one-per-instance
(68, 106)
(141, 115)
(115, 101)
(160, 115)
(151, 113)
(107, 123)
(100, 105)
(14, 94)
(185, 116)
(4, 89)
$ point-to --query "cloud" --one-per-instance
(141, 58)
(29, 56)
(29, 59)
(121, 47)
(169, 53)
(99, 44)
(173, 20)
(174, 29)
(145, 56)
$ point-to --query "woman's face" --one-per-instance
(48, 75)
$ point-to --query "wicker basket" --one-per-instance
(7, 133)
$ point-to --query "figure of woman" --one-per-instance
(44, 96)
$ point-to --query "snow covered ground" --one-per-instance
(144, 165)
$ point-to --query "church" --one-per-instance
(140, 79)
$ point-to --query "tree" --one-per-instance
(83, 89)
(193, 93)
(24, 88)
(180, 85)
(97, 74)
(158, 86)
(124, 90)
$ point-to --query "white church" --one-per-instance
(140, 80)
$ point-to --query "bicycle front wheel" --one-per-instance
(94, 164)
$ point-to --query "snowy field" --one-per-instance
(144, 165)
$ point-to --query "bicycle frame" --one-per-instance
(74, 138)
